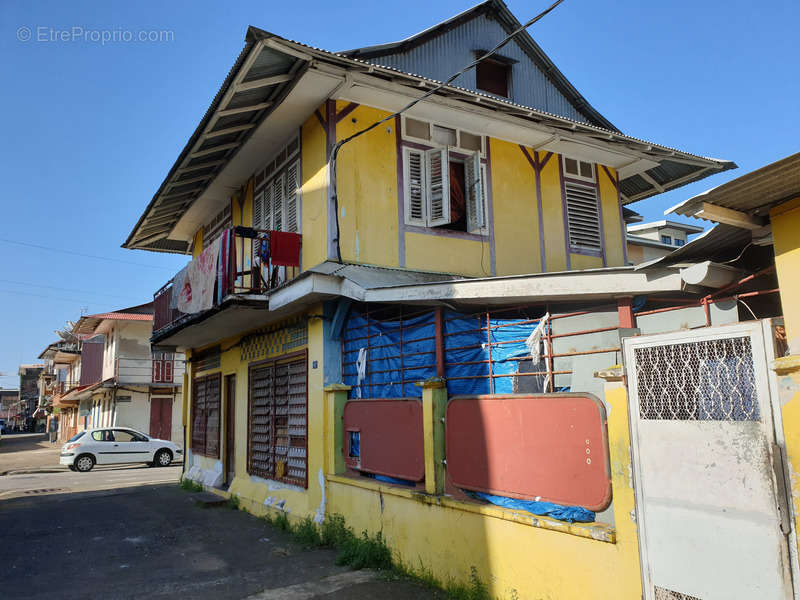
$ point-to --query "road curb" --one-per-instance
(31, 471)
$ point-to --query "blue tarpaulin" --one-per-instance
(570, 514)
(398, 359)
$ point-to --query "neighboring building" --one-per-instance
(29, 393)
(60, 377)
(128, 384)
(647, 241)
(9, 405)
(410, 332)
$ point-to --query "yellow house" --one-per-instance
(366, 275)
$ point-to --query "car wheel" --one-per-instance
(162, 458)
(84, 463)
(72, 468)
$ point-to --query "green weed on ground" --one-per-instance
(191, 486)
(371, 552)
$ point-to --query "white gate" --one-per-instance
(711, 507)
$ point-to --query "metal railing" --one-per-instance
(148, 370)
(249, 270)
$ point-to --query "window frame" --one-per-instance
(281, 174)
(666, 239)
(451, 154)
(431, 144)
(578, 176)
(569, 178)
(204, 450)
(509, 69)
(275, 362)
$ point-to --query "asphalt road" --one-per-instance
(155, 542)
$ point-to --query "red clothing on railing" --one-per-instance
(284, 248)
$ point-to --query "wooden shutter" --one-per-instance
(473, 177)
(438, 186)
(278, 198)
(266, 208)
(169, 365)
(261, 413)
(583, 216)
(414, 184)
(213, 396)
(158, 372)
(292, 197)
(258, 210)
(199, 415)
(290, 421)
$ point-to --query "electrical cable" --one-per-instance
(52, 287)
(74, 253)
(433, 90)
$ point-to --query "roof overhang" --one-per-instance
(276, 84)
(746, 201)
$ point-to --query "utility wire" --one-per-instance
(74, 253)
(76, 300)
(61, 289)
(427, 94)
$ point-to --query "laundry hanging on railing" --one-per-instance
(226, 259)
(197, 291)
(284, 248)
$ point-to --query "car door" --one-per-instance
(101, 444)
(130, 446)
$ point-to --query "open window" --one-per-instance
(444, 189)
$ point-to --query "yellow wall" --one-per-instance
(253, 491)
(367, 189)
(197, 246)
(314, 192)
(516, 213)
(785, 221)
(553, 216)
(447, 255)
(612, 228)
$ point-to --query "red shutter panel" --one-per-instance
(157, 371)
(167, 370)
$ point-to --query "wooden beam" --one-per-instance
(266, 81)
(651, 181)
(736, 218)
(174, 183)
(213, 163)
(227, 130)
(219, 148)
(243, 109)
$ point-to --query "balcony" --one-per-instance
(243, 262)
(149, 371)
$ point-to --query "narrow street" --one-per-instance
(130, 531)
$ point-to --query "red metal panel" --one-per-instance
(551, 447)
(391, 436)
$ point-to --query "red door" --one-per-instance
(161, 418)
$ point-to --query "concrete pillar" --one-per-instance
(434, 404)
(335, 398)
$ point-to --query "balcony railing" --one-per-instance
(64, 387)
(149, 370)
(245, 261)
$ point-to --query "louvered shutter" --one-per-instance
(278, 197)
(583, 216)
(414, 179)
(292, 197)
(473, 177)
(258, 211)
(438, 172)
(266, 208)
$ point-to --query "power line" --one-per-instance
(427, 94)
(52, 287)
(48, 297)
(74, 253)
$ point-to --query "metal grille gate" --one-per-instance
(702, 439)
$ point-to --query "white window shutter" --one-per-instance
(292, 197)
(414, 186)
(258, 211)
(475, 193)
(278, 197)
(583, 217)
(438, 167)
(266, 208)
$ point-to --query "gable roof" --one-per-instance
(497, 10)
(89, 323)
(251, 108)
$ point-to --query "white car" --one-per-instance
(116, 445)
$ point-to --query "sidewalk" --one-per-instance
(29, 452)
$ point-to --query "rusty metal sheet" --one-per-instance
(549, 447)
(391, 438)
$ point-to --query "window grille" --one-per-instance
(278, 420)
(665, 594)
(708, 380)
(206, 393)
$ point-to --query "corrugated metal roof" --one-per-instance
(753, 193)
(369, 277)
(719, 244)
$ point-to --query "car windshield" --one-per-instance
(76, 437)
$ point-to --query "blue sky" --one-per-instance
(91, 129)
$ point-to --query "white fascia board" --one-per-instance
(314, 284)
(573, 287)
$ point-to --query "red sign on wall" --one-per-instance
(551, 447)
